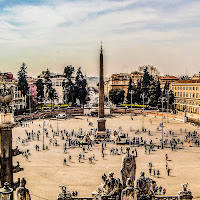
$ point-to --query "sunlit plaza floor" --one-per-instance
(45, 172)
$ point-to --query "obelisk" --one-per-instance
(101, 120)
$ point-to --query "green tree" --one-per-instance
(146, 82)
(154, 93)
(22, 80)
(138, 92)
(171, 98)
(50, 91)
(116, 96)
(81, 84)
(40, 91)
(68, 85)
(131, 87)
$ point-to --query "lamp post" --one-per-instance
(30, 100)
(131, 103)
(167, 106)
(43, 134)
(6, 192)
(162, 99)
(57, 125)
(143, 96)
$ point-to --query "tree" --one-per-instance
(116, 96)
(152, 70)
(68, 85)
(146, 82)
(81, 84)
(154, 93)
(22, 80)
(171, 98)
(138, 93)
(131, 87)
(50, 91)
(40, 91)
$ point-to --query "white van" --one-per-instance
(62, 116)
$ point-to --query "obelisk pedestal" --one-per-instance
(6, 127)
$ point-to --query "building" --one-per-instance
(121, 81)
(187, 95)
(196, 76)
(33, 90)
(168, 79)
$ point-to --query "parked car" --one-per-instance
(62, 116)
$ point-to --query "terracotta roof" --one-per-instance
(169, 77)
(187, 81)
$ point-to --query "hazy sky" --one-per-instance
(56, 33)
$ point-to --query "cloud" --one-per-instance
(43, 29)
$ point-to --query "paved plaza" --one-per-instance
(45, 172)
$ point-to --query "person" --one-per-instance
(150, 171)
(168, 171)
(164, 191)
(166, 165)
(166, 156)
(158, 173)
(160, 190)
(154, 172)
(70, 157)
(65, 161)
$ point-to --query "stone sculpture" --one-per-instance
(128, 168)
(128, 193)
(22, 192)
(110, 188)
(6, 97)
(185, 193)
(145, 187)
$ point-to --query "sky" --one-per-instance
(56, 33)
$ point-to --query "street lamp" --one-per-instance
(43, 134)
(131, 103)
(143, 96)
(167, 106)
(162, 99)
(57, 125)
(6, 192)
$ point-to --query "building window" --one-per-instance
(186, 94)
(190, 88)
(196, 88)
(183, 94)
(193, 95)
(193, 88)
(116, 82)
(197, 95)
(183, 88)
(124, 82)
(186, 88)
(180, 88)
(180, 94)
(175, 88)
(175, 93)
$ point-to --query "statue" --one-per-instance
(128, 168)
(185, 191)
(6, 97)
(22, 192)
(145, 187)
(128, 193)
(110, 187)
